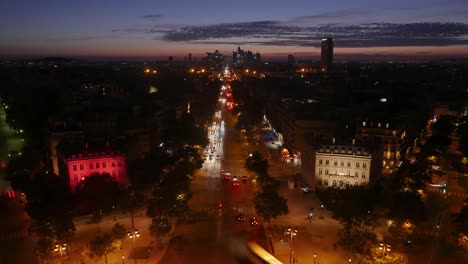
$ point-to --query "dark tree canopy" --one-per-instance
(257, 163)
(48, 196)
(98, 192)
(269, 204)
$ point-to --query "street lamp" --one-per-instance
(384, 248)
(123, 259)
(291, 233)
(60, 248)
(134, 235)
(321, 211)
(349, 260)
(315, 256)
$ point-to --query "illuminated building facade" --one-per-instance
(342, 166)
(80, 164)
(389, 137)
(326, 58)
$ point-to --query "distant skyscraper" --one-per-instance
(245, 58)
(327, 55)
(190, 57)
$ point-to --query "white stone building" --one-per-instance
(342, 166)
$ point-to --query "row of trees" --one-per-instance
(268, 203)
(51, 205)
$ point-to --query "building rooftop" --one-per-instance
(344, 150)
(75, 149)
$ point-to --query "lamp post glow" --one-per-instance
(60, 248)
(315, 256)
(384, 248)
(321, 211)
(291, 233)
(134, 235)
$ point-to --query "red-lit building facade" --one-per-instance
(80, 166)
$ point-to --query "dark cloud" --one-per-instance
(280, 34)
(230, 30)
(330, 15)
(152, 16)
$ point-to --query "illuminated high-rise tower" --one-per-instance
(326, 60)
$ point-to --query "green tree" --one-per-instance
(98, 192)
(119, 232)
(443, 126)
(357, 236)
(44, 248)
(376, 256)
(132, 201)
(269, 204)
(100, 247)
(407, 205)
(256, 163)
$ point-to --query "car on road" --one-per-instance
(244, 179)
(240, 218)
(227, 176)
(306, 189)
(253, 221)
(235, 183)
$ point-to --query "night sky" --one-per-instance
(118, 28)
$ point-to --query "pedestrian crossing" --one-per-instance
(233, 161)
(249, 210)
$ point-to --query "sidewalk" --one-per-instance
(315, 236)
(85, 231)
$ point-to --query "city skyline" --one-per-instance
(422, 28)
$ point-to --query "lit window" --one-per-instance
(81, 167)
(103, 164)
(357, 164)
(363, 175)
(320, 162)
(327, 162)
(74, 167)
(326, 171)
